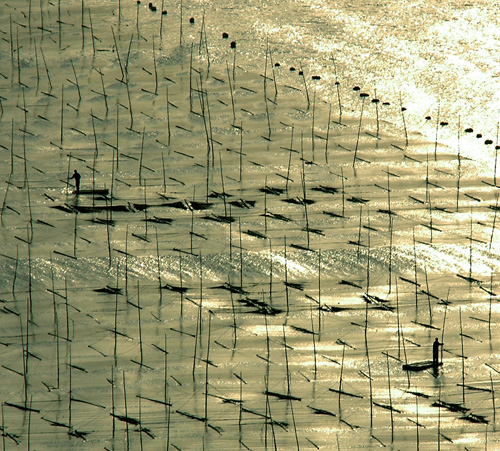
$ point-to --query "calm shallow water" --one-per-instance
(423, 55)
(403, 51)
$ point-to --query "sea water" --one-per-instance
(424, 57)
(436, 59)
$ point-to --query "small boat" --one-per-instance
(97, 209)
(95, 192)
(421, 366)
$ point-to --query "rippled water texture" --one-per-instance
(274, 246)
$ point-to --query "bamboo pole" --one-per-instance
(289, 161)
(463, 356)
(403, 109)
(437, 130)
(286, 281)
(288, 378)
(70, 390)
(231, 92)
(493, 398)
(359, 128)
(92, 32)
(168, 119)
(341, 374)
(369, 366)
(313, 124)
(459, 166)
(115, 347)
(337, 85)
(313, 335)
(126, 409)
(328, 132)
(165, 371)
(180, 281)
(494, 221)
(141, 349)
(56, 324)
(207, 364)
(3, 429)
(161, 22)
(155, 67)
(112, 382)
(141, 155)
(390, 396)
(319, 292)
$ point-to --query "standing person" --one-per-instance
(435, 352)
(77, 178)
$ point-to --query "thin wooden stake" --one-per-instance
(319, 292)
(231, 91)
(341, 374)
(437, 130)
(403, 109)
(286, 281)
(459, 164)
(126, 408)
(288, 379)
(314, 345)
(390, 396)
(359, 131)
(141, 155)
(165, 371)
(161, 22)
(328, 133)
(492, 398)
(92, 32)
(463, 356)
(207, 365)
(369, 366)
(140, 324)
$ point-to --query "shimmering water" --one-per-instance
(425, 56)
(270, 302)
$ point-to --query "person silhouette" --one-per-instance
(435, 352)
(77, 178)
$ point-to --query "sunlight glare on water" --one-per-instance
(431, 57)
(203, 312)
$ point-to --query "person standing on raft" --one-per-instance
(435, 352)
(77, 178)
